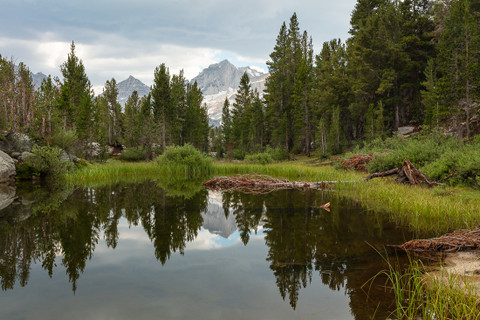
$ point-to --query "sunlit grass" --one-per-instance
(420, 295)
(292, 170)
(112, 172)
(422, 209)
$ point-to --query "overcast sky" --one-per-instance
(121, 38)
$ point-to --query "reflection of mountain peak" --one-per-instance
(215, 222)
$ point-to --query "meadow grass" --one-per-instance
(112, 172)
(423, 295)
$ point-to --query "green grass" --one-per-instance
(420, 295)
(112, 172)
(428, 212)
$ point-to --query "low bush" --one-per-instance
(184, 159)
(134, 154)
(420, 150)
(278, 153)
(260, 158)
(46, 163)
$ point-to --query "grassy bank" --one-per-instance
(427, 211)
(432, 295)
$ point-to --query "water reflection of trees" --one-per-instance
(247, 210)
(71, 223)
(304, 240)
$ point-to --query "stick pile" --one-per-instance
(260, 184)
(356, 162)
(458, 240)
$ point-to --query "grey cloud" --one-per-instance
(129, 28)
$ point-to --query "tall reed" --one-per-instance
(421, 295)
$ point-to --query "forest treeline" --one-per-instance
(66, 113)
(410, 62)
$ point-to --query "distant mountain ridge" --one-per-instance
(221, 80)
(217, 82)
(37, 78)
(127, 86)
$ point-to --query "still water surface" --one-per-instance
(138, 251)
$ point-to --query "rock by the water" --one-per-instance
(25, 155)
(7, 167)
(67, 157)
(21, 142)
(7, 195)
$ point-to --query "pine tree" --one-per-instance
(276, 93)
(280, 86)
(111, 94)
(161, 101)
(46, 104)
(302, 98)
(132, 111)
(240, 111)
(75, 93)
(227, 128)
(26, 98)
(430, 95)
(178, 100)
(257, 120)
(458, 56)
(196, 128)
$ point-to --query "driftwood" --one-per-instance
(407, 173)
(261, 184)
(459, 240)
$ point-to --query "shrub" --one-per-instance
(238, 154)
(278, 153)
(420, 150)
(184, 159)
(46, 163)
(134, 154)
(65, 139)
(261, 158)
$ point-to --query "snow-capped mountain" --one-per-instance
(221, 80)
(127, 86)
(217, 82)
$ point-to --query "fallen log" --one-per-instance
(383, 174)
(459, 240)
(407, 173)
(261, 184)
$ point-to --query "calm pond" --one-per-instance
(140, 251)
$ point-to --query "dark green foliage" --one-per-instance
(185, 158)
(278, 153)
(64, 139)
(420, 150)
(459, 164)
(260, 158)
(437, 155)
(134, 154)
(46, 163)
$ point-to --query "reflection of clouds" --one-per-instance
(206, 241)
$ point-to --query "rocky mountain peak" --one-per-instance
(221, 80)
(127, 86)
